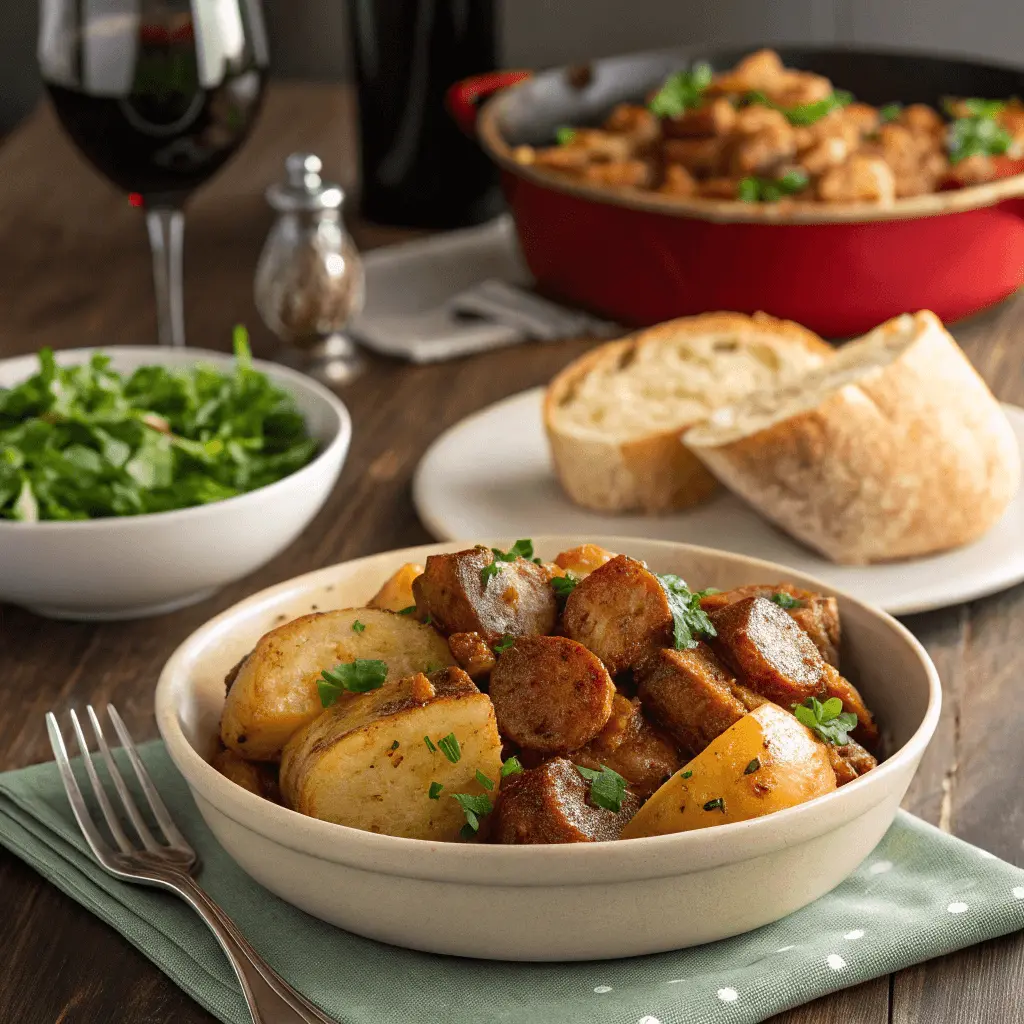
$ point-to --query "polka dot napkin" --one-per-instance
(920, 894)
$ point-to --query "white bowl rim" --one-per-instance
(572, 864)
(340, 438)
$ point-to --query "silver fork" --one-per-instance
(169, 864)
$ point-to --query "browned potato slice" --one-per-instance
(583, 560)
(766, 762)
(364, 763)
(396, 594)
(621, 613)
(816, 615)
(628, 744)
(550, 694)
(260, 779)
(275, 691)
(689, 694)
(473, 653)
(548, 804)
(516, 600)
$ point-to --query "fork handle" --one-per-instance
(271, 1000)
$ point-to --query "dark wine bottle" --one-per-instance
(418, 169)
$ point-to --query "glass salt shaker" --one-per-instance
(309, 281)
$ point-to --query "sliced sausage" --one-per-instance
(473, 653)
(689, 694)
(460, 598)
(621, 613)
(816, 615)
(550, 694)
(630, 745)
(549, 804)
(850, 761)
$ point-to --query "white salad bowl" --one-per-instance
(133, 566)
(570, 902)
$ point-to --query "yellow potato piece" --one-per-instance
(396, 594)
(766, 762)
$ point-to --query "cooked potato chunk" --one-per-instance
(473, 654)
(815, 614)
(621, 613)
(766, 762)
(628, 744)
(459, 598)
(689, 694)
(548, 804)
(260, 779)
(275, 691)
(364, 763)
(396, 594)
(550, 694)
(583, 560)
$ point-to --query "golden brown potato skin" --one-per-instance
(550, 694)
(396, 593)
(630, 745)
(689, 694)
(548, 804)
(621, 613)
(257, 777)
(515, 601)
(473, 653)
(583, 560)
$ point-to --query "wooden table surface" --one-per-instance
(74, 270)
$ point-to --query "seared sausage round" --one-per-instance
(550, 694)
(621, 613)
(549, 804)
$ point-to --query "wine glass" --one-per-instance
(157, 94)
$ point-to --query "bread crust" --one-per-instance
(655, 473)
(913, 458)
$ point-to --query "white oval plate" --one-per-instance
(491, 475)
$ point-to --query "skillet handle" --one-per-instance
(464, 97)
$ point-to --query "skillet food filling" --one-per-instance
(765, 133)
(490, 696)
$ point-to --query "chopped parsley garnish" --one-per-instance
(435, 791)
(359, 676)
(718, 804)
(504, 644)
(771, 190)
(430, 746)
(358, 627)
(483, 780)
(979, 134)
(784, 600)
(806, 113)
(449, 746)
(407, 611)
(752, 767)
(890, 112)
(687, 775)
(607, 787)
(511, 767)
(973, 106)
(827, 720)
(682, 91)
(564, 135)
(689, 619)
(474, 806)
(394, 746)
(563, 586)
(521, 549)
(432, 666)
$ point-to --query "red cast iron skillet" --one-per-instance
(640, 258)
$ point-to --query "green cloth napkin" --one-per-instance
(922, 893)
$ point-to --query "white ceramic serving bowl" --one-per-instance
(572, 902)
(134, 566)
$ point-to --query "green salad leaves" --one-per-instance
(85, 442)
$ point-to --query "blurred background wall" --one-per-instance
(308, 36)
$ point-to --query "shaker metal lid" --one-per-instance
(303, 189)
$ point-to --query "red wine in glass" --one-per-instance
(157, 95)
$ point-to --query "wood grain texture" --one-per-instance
(74, 271)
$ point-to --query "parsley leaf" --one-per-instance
(784, 600)
(563, 586)
(890, 112)
(690, 620)
(474, 806)
(771, 190)
(504, 644)
(977, 135)
(483, 780)
(828, 720)
(358, 627)
(521, 549)
(752, 767)
(408, 610)
(718, 804)
(682, 91)
(511, 767)
(687, 774)
(359, 676)
(449, 746)
(806, 113)
(607, 787)
(564, 135)
(430, 746)
(435, 791)
(395, 745)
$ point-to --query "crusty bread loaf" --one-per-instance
(614, 416)
(895, 448)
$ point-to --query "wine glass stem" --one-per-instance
(166, 226)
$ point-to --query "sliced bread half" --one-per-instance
(614, 416)
(895, 448)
